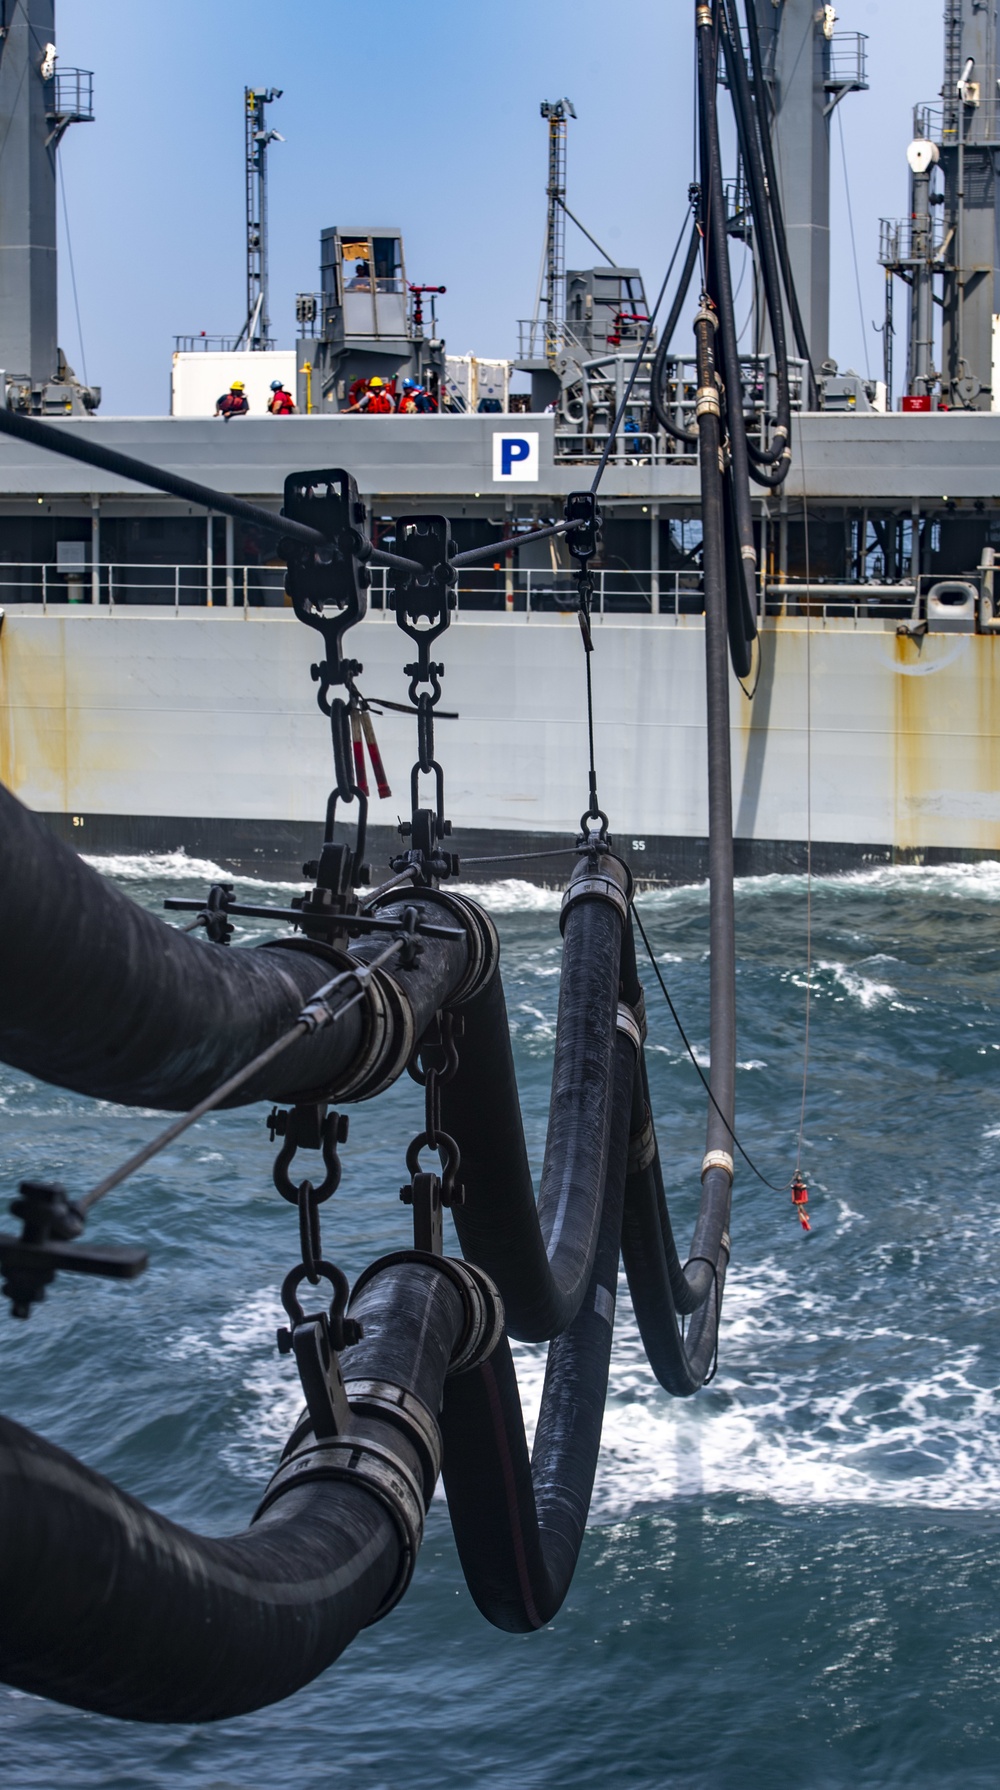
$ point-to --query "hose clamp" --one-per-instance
(487, 1326)
(378, 1031)
(726, 1243)
(381, 1066)
(638, 1007)
(600, 887)
(641, 1146)
(484, 944)
(628, 1025)
(717, 1159)
(356, 1460)
(402, 1408)
(481, 1302)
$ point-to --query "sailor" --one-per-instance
(281, 402)
(362, 281)
(416, 397)
(233, 402)
(376, 400)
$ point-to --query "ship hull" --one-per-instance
(153, 731)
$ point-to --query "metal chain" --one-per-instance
(423, 605)
(433, 1064)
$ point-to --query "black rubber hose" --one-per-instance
(661, 1289)
(657, 394)
(98, 995)
(691, 1284)
(739, 84)
(541, 1256)
(774, 191)
(721, 291)
(519, 1523)
(108, 1606)
(77, 443)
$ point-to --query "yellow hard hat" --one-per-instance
(376, 381)
(237, 385)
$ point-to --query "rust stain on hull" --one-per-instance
(36, 731)
(946, 739)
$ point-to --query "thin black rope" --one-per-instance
(520, 857)
(809, 863)
(687, 1046)
(72, 269)
(588, 655)
(230, 1086)
(637, 363)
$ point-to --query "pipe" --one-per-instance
(722, 913)
(110, 1607)
(541, 1257)
(98, 995)
(519, 1523)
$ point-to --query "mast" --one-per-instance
(557, 112)
(256, 330)
(969, 139)
(810, 67)
(37, 104)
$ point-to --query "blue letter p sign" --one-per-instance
(512, 452)
(515, 457)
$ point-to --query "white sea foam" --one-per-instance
(866, 990)
(176, 866)
(512, 896)
(763, 1429)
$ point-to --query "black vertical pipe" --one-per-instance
(722, 912)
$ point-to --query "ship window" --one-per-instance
(356, 265)
(388, 264)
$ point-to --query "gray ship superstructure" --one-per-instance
(155, 689)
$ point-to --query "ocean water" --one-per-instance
(792, 1580)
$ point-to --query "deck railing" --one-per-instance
(517, 592)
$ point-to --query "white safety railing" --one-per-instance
(505, 588)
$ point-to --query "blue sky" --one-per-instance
(426, 117)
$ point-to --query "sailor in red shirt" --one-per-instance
(281, 402)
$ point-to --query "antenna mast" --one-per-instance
(557, 112)
(256, 331)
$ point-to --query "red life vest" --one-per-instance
(233, 404)
(282, 403)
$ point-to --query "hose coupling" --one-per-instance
(717, 1159)
(481, 1301)
(749, 554)
(641, 1146)
(405, 1411)
(707, 401)
(611, 883)
(703, 15)
(628, 1024)
(359, 1460)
